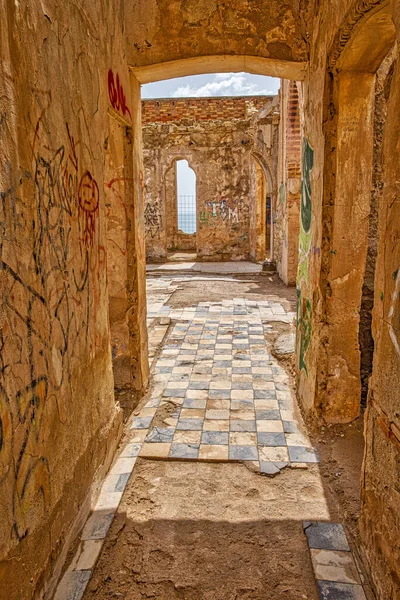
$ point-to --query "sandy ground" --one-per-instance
(197, 531)
(252, 287)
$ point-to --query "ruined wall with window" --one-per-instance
(230, 143)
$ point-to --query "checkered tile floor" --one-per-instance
(218, 393)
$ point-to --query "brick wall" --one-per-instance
(293, 132)
(200, 109)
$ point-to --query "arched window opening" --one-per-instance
(186, 197)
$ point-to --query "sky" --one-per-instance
(216, 84)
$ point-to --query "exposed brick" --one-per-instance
(205, 109)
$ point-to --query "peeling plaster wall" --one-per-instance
(315, 226)
(338, 134)
(161, 31)
(380, 515)
(218, 138)
(59, 423)
(287, 214)
(382, 87)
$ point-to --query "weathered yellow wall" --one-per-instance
(337, 163)
(59, 423)
(380, 516)
(161, 31)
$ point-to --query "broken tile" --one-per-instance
(86, 555)
(243, 453)
(141, 422)
(184, 450)
(297, 439)
(137, 435)
(131, 450)
(212, 425)
(240, 425)
(333, 565)
(214, 438)
(187, 437)
(269, 468)
(273, 453)
(326, 536)
(160, 434)
(190, 424)
(97, 525)
(302, 454)
(340, 591)
(73, 585)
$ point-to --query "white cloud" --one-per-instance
(221, 76)
(223, 84)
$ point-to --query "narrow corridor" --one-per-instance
(217, 482)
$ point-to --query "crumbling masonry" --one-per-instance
(231, 144)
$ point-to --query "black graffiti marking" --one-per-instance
(152, 219)
(5, 267)
(38, 319)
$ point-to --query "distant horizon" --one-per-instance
(214, 85)
(210, 97)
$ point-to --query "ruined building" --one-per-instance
(232, 149)
(72, 241)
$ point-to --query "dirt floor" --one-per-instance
(205, 531)
(252, 287)
(211, 531)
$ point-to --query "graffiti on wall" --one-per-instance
(226, 210)
(88, 200)
(44, 311)
(117, 95)
(304, 305)
(304, 313)
(153, 219)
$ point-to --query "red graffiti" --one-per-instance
(117, 95)
(88, 197)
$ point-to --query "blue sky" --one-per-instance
(216, 84)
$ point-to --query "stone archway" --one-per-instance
(261, 237)
(347, 190)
